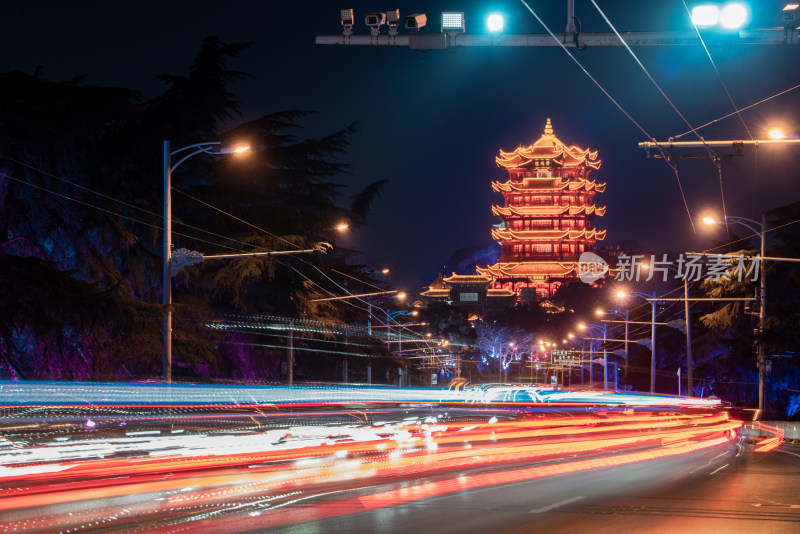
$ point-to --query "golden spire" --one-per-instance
(548, 128)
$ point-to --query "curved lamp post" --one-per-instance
(625, 318)
(754, 225)
(604, 331)
(653, 302)
(212, 148)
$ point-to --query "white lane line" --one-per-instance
(717, 470)
(787, 452)
(554, 505)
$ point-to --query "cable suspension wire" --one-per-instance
(160, 216)
(665, 156)
(117, 214)
(151, 225)
(236, 218)
(712, 155)
(742, 109)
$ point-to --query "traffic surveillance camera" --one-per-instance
(415, 22)
(375, 20)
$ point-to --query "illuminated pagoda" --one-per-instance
(548, 211)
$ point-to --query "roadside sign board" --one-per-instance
(565, 357)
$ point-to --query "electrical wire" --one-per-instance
(712, 155)
(236, 218)
(664, 154)
(159, 216)
(742, 109)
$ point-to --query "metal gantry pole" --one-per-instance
(762, 315)
(653, 351)
(166, 295)
(627, 355)
(605, 357)
(689, 364)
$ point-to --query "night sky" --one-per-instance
(433, 124)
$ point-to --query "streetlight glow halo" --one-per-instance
(705, 15)
(495, 23)
(733, 16)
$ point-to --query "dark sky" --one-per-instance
(433, 125)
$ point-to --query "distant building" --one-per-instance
(548, 216)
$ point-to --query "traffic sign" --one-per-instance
(565, 357)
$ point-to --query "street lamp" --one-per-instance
(625, 318)
(495, 23)
(776, 133)
(753, 226)
(213, 148)
(687, 316)
(654, 302)
(604, 331)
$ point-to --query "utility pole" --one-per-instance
(762, 315)
(653, 342)
(290, 358)
(688, 338)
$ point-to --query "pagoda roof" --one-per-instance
(467, 279)
(499, 293)
(532, 270)
(529, 185)
(534, 211)
(548, 150)
(547, 235)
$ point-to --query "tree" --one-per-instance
(79, 207)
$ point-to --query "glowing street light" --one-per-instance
(776, 133)
(495, 23)
(341, 227)
(705, 15)
(733, 16)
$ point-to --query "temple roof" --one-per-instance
(532, 270)
(545, 150)
(544, 211)
(547, 235)
(467, 279)
(529, 185)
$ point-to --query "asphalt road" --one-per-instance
(704, 493)
(389, 468)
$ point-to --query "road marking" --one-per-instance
(717, 470)
(554, 505)
(787, 452)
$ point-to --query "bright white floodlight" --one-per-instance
(495, 23)
(705, 15)
(733, 16)
(453, 22)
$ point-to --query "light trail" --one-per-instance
(276, 460)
